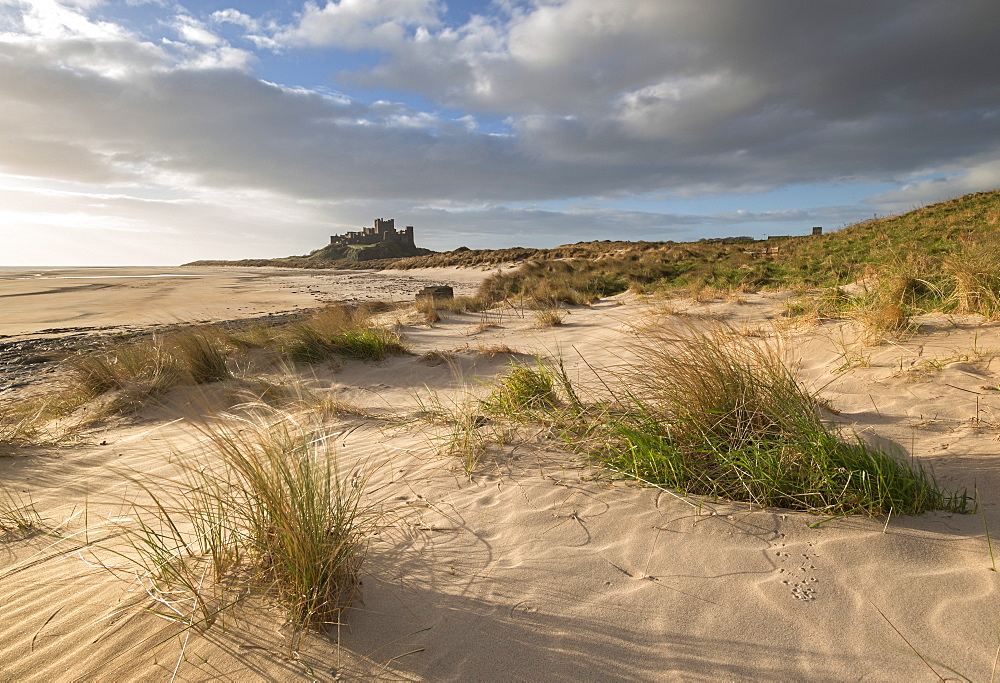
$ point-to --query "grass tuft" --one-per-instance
(275, 515)
(340, 331)
(21, 423)
(713, 413)
(427, 306)
(17, 512)
(974, 272)
(521, 392)
(549, 317)
(203, 354)
(139, 370)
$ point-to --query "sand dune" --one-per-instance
(534, 567)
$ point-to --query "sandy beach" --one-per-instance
(534, 566)
(52, 300)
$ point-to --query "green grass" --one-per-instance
(522, 391)
(311, 346)
(522, 395)
(941, 257)
(713, 414)
(339, 331)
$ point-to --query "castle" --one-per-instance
(384, 231)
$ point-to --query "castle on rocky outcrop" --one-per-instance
(384, 231)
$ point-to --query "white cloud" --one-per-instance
(978, 176)
(52, 20)
(232, 16)
(378, 24)
(193, 31)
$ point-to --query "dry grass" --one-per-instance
(459, 428)
(482, 327)
(974, 272)
(463, 304)
(700, 291)
(255, 337)
(494, 350)
(435, 358)
(127, 376)
(548, 317)
(140, 370)
(21, 424)
(18, 515)
(265, 510)
(882, 321)
(426, 307)
(202, 353)
(148, 368)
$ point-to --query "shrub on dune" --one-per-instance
(716, 414)
(343, 331)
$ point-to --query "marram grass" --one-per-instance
(521, 392)
(266, 509)
(715, 414)
(340, 331)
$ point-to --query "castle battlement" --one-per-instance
(384, 230)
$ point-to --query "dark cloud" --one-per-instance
(606, 99)
(599, 100)
(687, 95)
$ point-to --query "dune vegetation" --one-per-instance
(933, 239)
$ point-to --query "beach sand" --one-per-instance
(535, 567)
(43, 300)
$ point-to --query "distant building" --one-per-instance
(383, 231)
(817, 230)
(727, 240)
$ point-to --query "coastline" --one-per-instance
(57, 300)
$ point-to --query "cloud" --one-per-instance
(193, 31)
(677, 97)
(693, 97)
(978, 176)
(598, 100)
(358, 23)
(232, 16)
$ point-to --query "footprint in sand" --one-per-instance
(801, 583)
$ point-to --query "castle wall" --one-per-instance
(384, 230)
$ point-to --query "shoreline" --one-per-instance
(66, 299)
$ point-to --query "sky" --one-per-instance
(148, 132)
